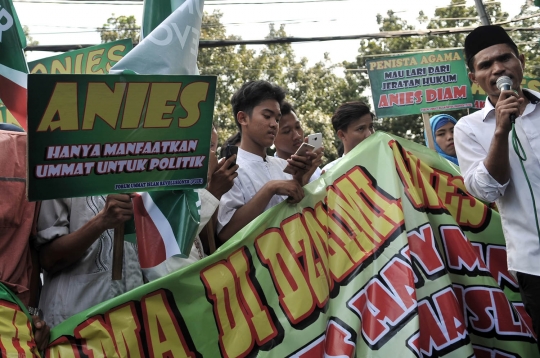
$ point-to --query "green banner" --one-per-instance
(480, 95)
(420, 82)
(16, 335)
(100, 134)
(6, 116)
(374, 262)
(91, 60)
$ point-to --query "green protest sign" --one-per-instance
(6, 116)
(420, 82)
(91, 60)
(480, 95)
(99, 134)
(386, 256)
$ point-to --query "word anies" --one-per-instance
(429, 95)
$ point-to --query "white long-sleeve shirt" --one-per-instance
(253, 173)
(472, 137)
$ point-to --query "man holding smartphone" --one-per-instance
(261, 182)
(290, 137)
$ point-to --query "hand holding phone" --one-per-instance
(315, 140)
(304, 148)
(230, 150)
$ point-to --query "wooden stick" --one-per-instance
(118, 252)
(427, 130)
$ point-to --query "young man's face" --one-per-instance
(444, 137)
(290, 135)
(494, 62)
(356, 132)
(262, 126)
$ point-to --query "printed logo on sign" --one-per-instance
(5, 24)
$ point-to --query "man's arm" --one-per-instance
(68, 249)
(497, 161)
(486, 174)
(246, 213)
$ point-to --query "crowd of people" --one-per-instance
(70, 240)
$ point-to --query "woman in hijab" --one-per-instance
(442, 127)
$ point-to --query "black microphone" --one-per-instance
(504, 83)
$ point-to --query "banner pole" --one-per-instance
(427, 131)
(118, 252)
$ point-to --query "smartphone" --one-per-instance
(230, 150)
(301, 151)
(304, 148)
(315, 140)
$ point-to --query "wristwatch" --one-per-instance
(34, 311)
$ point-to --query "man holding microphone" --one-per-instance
(490, 166)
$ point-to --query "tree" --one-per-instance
(121, 27)
(411, 127)
(315, 91)
(528, 41)
(29, 39)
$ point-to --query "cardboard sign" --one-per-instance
(421, 82)
(101, 134)
(91, 60)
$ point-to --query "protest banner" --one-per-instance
(90, 60)
(100, 134)
(373, 262)
(16, 334)
(419, 82)
(6, 116)
(480, 95)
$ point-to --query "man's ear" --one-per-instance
(340, 134)
(472, 77)
(242, 118)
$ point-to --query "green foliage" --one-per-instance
(315, 91)
(29, 39)
(528, 41)
(118, 28)
(411, 127)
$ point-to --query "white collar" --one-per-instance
(250, 156)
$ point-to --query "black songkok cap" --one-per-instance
(483, 37)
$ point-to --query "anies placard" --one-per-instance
(102, 134)
(420, 82)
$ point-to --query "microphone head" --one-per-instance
(504, 83)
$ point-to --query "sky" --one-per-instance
(53, 22)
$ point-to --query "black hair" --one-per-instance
(348, 112)
(251, 94)
(287, 108)
(232, 140)
(483, 37)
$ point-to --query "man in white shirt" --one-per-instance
(353, 122)
(261, 182)
(491, 169)
(290, 137)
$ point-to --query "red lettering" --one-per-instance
(441, 329)
(460, 253)
(496, 263)
(431, 95)
(460, 92)
(381, 309)
(423, 248)
(383, 101)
